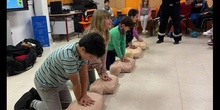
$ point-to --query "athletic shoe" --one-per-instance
(35, 94)
(208, 33)
(159, 41)
(24, 102)
(210, 42)
(176, 42)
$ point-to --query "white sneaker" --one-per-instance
(146, 31)
(210, 42)
(208, 33)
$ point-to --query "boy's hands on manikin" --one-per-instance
(86, 101)
(105, 77)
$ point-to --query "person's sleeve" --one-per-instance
(135, 32)
(123, 46)
(116, 42)
(206, 7)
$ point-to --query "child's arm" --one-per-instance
(135, 34)
(84, 78)
(102, 71)
(80, 82)
(74, 78)
(116, 42)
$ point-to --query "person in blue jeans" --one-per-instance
(198, 7)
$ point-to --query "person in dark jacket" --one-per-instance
(198, 7)
(170, 8)
(208, 14)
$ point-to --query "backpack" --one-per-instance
(35, 43)
(20, 59)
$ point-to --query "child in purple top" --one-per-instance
(133, 14)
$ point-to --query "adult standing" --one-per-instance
(170, 8)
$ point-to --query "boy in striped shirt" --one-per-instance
(68, 62)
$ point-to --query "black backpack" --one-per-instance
(18, 66)
(38, 47)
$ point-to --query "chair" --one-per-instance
(86, 19)
(126, 10)
(115, 12)
(187, 20)
(182, 1)
(205, 22)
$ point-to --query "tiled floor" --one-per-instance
(167, 77)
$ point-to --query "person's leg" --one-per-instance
(204, 18)
(145, 23)
(176, 23)
(110, 59)
(199, 22)
(65, 97)
(194, 17)
(164, 15)
(142, 23)
(49, 96)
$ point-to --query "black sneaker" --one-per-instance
(24, 102)
(159, 41)
(35, 94)
(180, 38)
(176, 42)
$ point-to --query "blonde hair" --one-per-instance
(97, 24)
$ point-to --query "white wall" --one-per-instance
(101, 3)
(20, 24)
(20, 21)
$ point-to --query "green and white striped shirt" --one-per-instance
(56, 67)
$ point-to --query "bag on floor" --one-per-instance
(34, 44)
(20, 59)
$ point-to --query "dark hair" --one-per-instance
(93, 43)
(127, 21)
(132, 12)
(106, 1)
